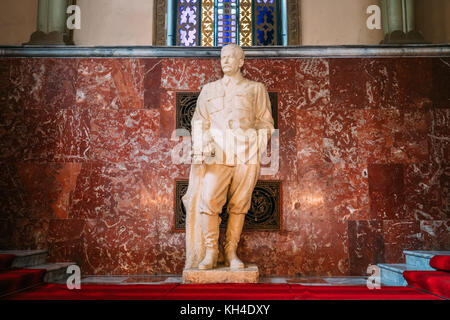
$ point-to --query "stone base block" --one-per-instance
(222, 274)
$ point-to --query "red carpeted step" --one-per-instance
(437, 282)
(14, 280)
(440, 263)
(6, 261)
(359, 293)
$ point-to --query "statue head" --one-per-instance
(232, 59)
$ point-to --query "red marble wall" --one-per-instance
(85, 168)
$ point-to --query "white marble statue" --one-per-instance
(231, 126)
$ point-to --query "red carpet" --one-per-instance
(5, 261)
(437, 282)
(362, 293)
(220, 292)
(232, 291)
(13, 280)
(440, 263)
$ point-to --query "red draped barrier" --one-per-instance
(13, 280)
(440, 263)
(5, 261)
(437, 282)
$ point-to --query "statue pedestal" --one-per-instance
(222, 274)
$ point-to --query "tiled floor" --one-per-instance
(164, 279)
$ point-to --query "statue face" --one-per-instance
(231, 61)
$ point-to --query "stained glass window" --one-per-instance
(220, 22)
(265, 29)
(226, 22)
(187, 31)
(245, 23)
(207, 25)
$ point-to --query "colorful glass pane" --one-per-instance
(187, 30)
(265, 27)
(227, 23)
(207, 20)
(245, 23)
(220, 22)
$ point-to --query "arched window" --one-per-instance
(220, 22)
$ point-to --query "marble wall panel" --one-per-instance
(350, 198)
(441, 82)
(378, 83)
(107, 191)
(189, 74)
(410, 142)
(423, 197)
(92, 197)
(170, 253)
(5, 83)
(110, 84)
(444, 182)
(124, 136)
(365, 245)
(74, 135)
(118, 246)
(32, 136)
(340, 140)
(86, 167)
(347, 83)
(387, 192)
(399, 236)
(33, 190)
(415, 86)
(48, 187)
(262, 248)
(45, 135)
(376, 132)
(312, 83)
(167, 117)
(43, 83)
(152, 83)
(287, 148)
(310, 137)
(381, 83)
(438, 134)
(30, 234)
(295, 214)
(329, 248)
(436, 234)
(314, 182)
(65, 240)
(13, 195)
(6, 233)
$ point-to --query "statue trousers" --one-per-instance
(232, 183)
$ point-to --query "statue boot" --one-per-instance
(210, 227)
(234, 229)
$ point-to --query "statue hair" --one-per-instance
(235, 48)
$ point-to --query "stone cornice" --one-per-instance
(251, 52)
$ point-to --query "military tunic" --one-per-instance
(231, 116)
